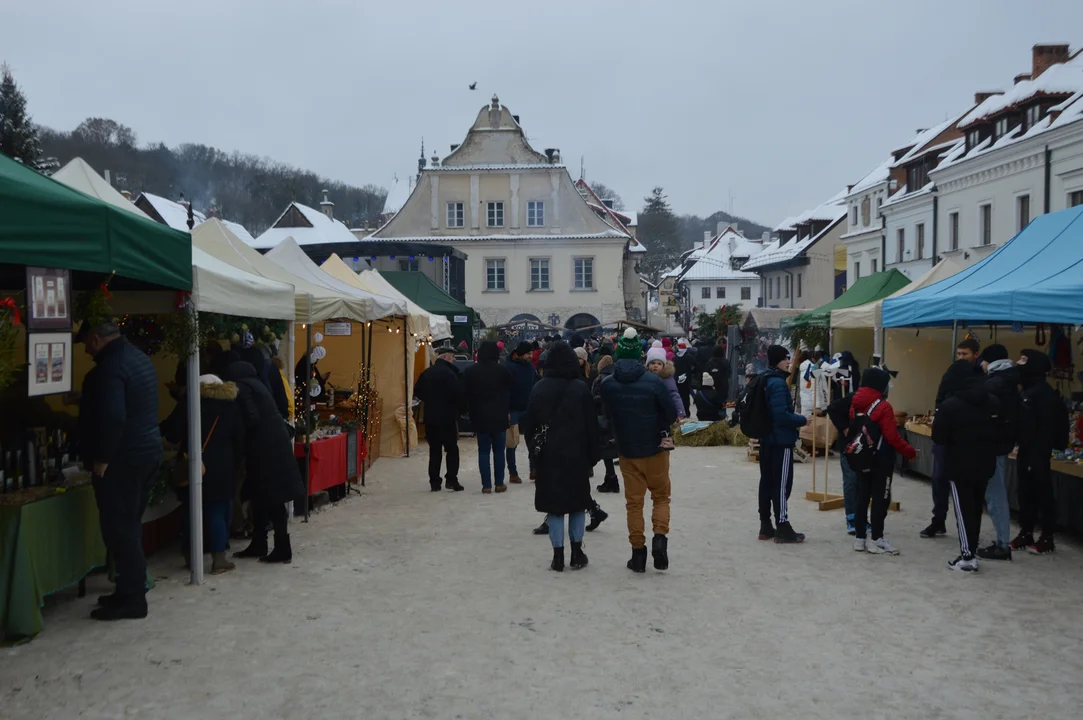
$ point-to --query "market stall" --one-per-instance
(420, 289)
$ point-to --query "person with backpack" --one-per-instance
(838, 412)
(872, 422)
(1043, 428)
(1002, 382)
(767, 414)
(965, 427)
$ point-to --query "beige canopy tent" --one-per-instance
(869, 314)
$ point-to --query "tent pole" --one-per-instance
(406, 386)
(954, 337)
(363, 427)
(368, 381)
(308, 411)
(195, 460)
(290, 342)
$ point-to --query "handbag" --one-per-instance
(511, 437)
(181, 466)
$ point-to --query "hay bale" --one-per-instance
(714, 435)
(738, 438)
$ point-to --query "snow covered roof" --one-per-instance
(324, 230)
(827, 212)
(398, 193)
(919, 143)
(1061, 79)
(673, 272)
(877, 176)
(239, 230)
(497, 166)
(629, 218)
(715, 264)
(786, 224)
(446, 239)
(174, 214)
(830, 211)
(636, 246)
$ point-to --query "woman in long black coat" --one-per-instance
(561, 428)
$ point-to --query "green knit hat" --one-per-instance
(628, 346)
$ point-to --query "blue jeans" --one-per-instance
(941, 485)
(491, 448)
(216, 520)
(577, 525)
(849, 486)
(509, 453)
(996, 499)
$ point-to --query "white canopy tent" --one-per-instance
(869, 315)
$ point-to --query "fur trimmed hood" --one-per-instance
(668, 371)
(218, 391)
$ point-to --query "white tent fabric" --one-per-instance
(312, 302)
(439, 326)
(869, 315)
(216, 285)
(289, 256)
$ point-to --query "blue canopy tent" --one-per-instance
(1036, 277)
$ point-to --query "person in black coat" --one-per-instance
(223, 455)
(686, 363)
(522, 371)
(488, 387)
(562, 431)
(439, 387)
(272, 477)
(121, 445)
(965, 426)
(714, 387)
(607, 439)
(1003, 382)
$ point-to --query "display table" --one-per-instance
(329, 465)
(920, 438)
(45, 546)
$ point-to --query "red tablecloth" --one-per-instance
(328, 466)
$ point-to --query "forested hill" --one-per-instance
(246, 189)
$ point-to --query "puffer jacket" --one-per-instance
(488, 387)
(639, 409)
(524, 375)
(965, 424)
(668, 376)
(884, 416)
(1003, 382)
(784, 421)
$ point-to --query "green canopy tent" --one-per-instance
(419, 288)
(44, 222)
(868, 289)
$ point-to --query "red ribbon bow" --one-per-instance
(16, 318)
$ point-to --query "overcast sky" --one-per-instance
(777, 102)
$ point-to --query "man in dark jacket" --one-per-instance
(640, 413)
(522, 372)
(122, 447)
(1043, 427)
(839, 414)
(965, 426)
(1003, 383)
(716, 392)
(488, 387)
(440, 388)
(960, 373)
(687, 366)
(272, 477)
(776, 450)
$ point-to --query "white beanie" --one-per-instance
(656, 352)
(210, 380)
(707, 380)
(657, 343)
(631, 333)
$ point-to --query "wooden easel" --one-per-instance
(824, 500)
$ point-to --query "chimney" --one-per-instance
(766, 237)
(454, 146)
(435, 161)
(706, 238)
(550, 153)
(107, 180)
(1044, 57)
(980, 97)
(327, 206)
(1021, 77)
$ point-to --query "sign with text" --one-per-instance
(461, 319)
(337, 328)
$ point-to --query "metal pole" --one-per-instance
(406, 386)
(195, 460)
(363, 429)
(368, 381)
(308, 410)
(954, 337)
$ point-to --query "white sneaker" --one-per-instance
(964, 564)
(859, 545)
(882, 547)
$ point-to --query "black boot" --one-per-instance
(558, 560)
(257, 548)
(660, 551)
(542, 529)
(767, 530)
(638, 563)
(282, 553)
(786, 535)
(609, 485)
(597, 517)
(579, 558)
(126, 608)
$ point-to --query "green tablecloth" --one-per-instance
(45, 546)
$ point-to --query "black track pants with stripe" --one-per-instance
(776, 481)
(968, 497)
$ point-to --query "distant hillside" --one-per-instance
(250, 190)
(693, 227)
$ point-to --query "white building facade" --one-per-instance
(715, 279)
(864, 234)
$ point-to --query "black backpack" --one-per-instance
(863, 441)
(754, 411)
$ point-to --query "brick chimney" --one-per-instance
(1021, 77)
(1045, 57)
(327, 207)
(980, 97)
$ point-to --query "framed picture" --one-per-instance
(50, 363)
(48, 299)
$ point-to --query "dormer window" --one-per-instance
(1003, 126)
(973, 139)
(1034, 115)
(866, 211)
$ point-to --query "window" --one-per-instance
(535, 213)
(1003, 127)
(408, 265)
(853, 216)
(953, 231)
(770, 290)
(985, 224)
(746, 293)
(798, 286)
(720, 293)
(455, 214)
(705, 293)
(921, 240)
(866, 209)
(873, 266)
(584, 273)
(496, 214)
(494, 275)
(1034, 115)
(900, 244)
(1075, 198)
(539, 273)
(857, 271)
(1023, 211)
(973, 139)
(879, 202)
(787, 286)
(917, 176)
(778, 287)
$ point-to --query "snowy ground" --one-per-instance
(410, 604)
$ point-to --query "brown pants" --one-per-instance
(641, 475)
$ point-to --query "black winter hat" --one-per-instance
(523, 348)
(876, 379)
(776, 354)
(1037, 363)
(993, 353)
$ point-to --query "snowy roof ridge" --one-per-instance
(923, 138)
(717, 262)
(324, 230)
(1061, 79)
(174, 214)
(773, 254)
(878, 175)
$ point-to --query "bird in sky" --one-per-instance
(474, 85)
